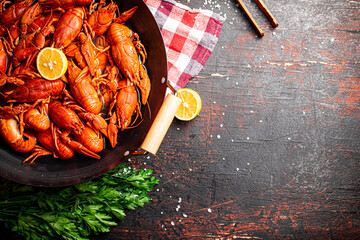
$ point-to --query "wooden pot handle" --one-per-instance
(161, 124)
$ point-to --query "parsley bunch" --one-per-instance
(76, 211)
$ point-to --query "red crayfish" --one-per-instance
(102, 92)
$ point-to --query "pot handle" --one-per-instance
(161, 124)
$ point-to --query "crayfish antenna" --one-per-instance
(148, 106)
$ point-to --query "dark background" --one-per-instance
(274, 153)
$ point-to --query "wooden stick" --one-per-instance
(267, 13)
(161, 124)
(251, 19)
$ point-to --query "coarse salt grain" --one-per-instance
(185, 215)
(209, 210)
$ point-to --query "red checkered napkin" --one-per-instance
(190, 35)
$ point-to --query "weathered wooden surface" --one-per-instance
(275, 150)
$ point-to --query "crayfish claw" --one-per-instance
(112, 131)
(78, 147)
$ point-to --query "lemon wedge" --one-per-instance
(190, 106)
(51, 63)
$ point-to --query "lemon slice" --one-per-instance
(190, 106)
(51, 63)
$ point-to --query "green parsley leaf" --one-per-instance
(74, 212)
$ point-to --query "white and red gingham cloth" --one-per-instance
(190, 35)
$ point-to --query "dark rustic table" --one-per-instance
(275, 151)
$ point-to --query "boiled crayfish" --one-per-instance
(101, 93)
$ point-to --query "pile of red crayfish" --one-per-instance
(96, 97)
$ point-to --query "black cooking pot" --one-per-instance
(50, 172)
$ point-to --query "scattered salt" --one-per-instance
(209, 210)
